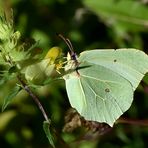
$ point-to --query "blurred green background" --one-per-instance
(89, 24)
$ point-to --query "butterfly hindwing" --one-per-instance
(99, 94)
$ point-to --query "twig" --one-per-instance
(34, 97)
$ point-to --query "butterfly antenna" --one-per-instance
(69, 44)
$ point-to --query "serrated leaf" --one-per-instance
(10, 96)
(103, 90)
(47, 130)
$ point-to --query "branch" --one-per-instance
(34, 97)
(36, 100)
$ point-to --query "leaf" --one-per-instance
(38, 73)
(10, 96)
(103, 90)
(130, 14)
(6, 27)
(5, 75)
(46, 127)
(5, 119)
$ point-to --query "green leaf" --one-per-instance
(5, 76)
(10, 96)
(46, 127)
(130, 14)
(102, 87)
(6, 27)
(39, 72)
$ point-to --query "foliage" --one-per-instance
(46, 127)
(89, 25)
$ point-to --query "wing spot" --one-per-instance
(107, 90)
(115, 60)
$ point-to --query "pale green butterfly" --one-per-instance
(100, 83)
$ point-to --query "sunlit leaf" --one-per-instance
(130, 14)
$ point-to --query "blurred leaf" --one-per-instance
(10, 96)
(42, 37)
(46, 127)
(5, 117)
(124, 12)
(6, 27)
(4, 77)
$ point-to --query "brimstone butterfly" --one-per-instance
(102, 84)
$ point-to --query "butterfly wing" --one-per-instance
(99, 94)
(131, 64)
(103, 90)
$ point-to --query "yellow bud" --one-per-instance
(53, 53)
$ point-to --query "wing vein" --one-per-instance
(99, 79)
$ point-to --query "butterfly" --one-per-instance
(100, 83)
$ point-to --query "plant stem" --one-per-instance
(34, 97)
